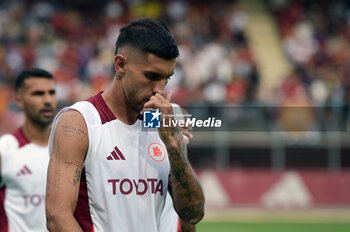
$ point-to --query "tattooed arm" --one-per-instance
(185, 189)
(187, 227)
(69, 147)
(184, 186)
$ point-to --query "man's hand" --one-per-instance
(167, 134)
(186, 130)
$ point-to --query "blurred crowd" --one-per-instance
(315, 37)
(75, 40)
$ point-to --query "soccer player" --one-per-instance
(106, 172)
(24, 154)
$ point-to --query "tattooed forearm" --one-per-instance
(73, 173)
(181, 178)
(186, 191)
(187, 227)
(181, 147)
(55, 159)
(53, 174)
(189, 213)
(73, 131)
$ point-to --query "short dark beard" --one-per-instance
(133, 107)
(38, 122)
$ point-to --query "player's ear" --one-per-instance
(19, 100)
(120, 65)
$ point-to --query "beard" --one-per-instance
(37, 118)
(41, 122)
(135, 105)
(133, 102)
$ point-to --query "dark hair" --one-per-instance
(149, 36)
(27, 73)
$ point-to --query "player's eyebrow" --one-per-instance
(154, 76)
(38, 92)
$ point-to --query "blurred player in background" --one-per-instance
(24, 154)
(106, 173)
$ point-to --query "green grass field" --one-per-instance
(261, 220)
(273, 227)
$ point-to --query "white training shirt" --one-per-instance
(170, 221)
(23, 183)
(125, 176)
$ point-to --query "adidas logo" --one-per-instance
(116, 154)
(24, 171)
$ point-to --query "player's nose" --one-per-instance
(50, 99)
(159, 88)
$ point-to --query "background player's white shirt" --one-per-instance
(169, 219)
(23, 183)
(125, 177)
